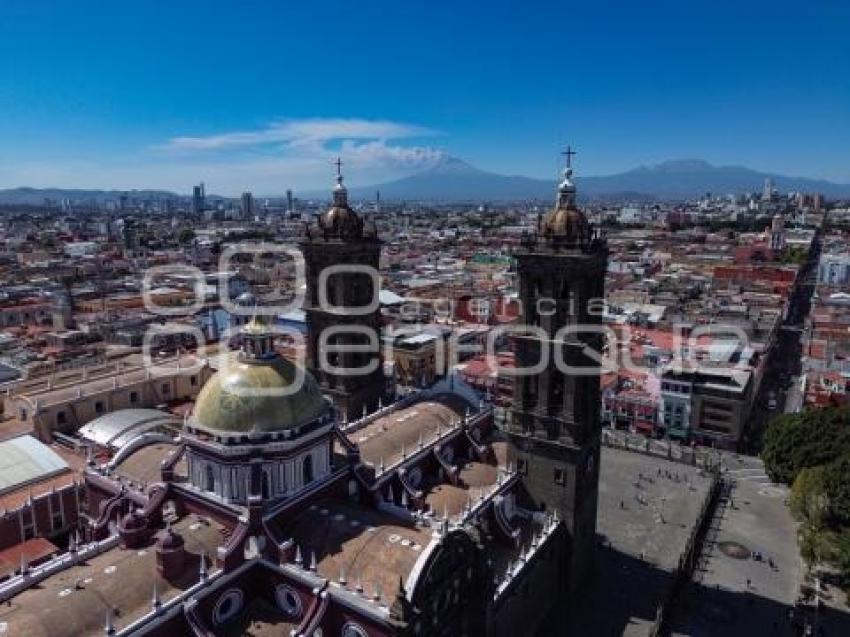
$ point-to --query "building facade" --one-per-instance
(67, 404)
(834, 269)
(707, 406)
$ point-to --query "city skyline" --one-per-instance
(424, 319)
(99, 96)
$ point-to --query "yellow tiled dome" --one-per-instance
(257, 395)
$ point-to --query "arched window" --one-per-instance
(210, 479)
(307, 470)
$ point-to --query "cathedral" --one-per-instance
(299, 502)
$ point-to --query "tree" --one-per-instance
(815, 545)
(836, 483)
(186, 236)
(793, 442)
(841, 555)
(813, 450)
(809, 501)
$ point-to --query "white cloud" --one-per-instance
(301, 133)
(377, 152)
(287, 154)
(371, 149)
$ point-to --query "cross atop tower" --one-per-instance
(569, 154)
(338, 164)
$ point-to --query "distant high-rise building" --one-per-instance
(777, 233)
(814, 201)
(247, 205)
(767, 195)
(198, 199)
(290, 202)
(130, 236)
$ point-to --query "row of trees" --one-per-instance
(811, 452)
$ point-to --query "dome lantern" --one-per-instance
(565, 225)
(257, 390)
(257, 340)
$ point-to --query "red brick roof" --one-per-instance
(34, 550)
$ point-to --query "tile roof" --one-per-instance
(24, 460)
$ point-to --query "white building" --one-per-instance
(834, 269)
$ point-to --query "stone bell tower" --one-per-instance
(347, 312)
(554, 428)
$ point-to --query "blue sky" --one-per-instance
(261, 95)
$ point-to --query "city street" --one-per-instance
(782, 378)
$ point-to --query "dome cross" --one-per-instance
(569, 155)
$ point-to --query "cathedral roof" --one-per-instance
(117, 578)
(258, 390)
(370, 547)
(250, 396)
(384, 438)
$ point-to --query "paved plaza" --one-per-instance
(735, 594)
(647, 508)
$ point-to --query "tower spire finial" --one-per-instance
(567, 189)
(340, 195)
(338, 164)
(569, 155)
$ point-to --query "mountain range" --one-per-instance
(37, 196)
(452, 179)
